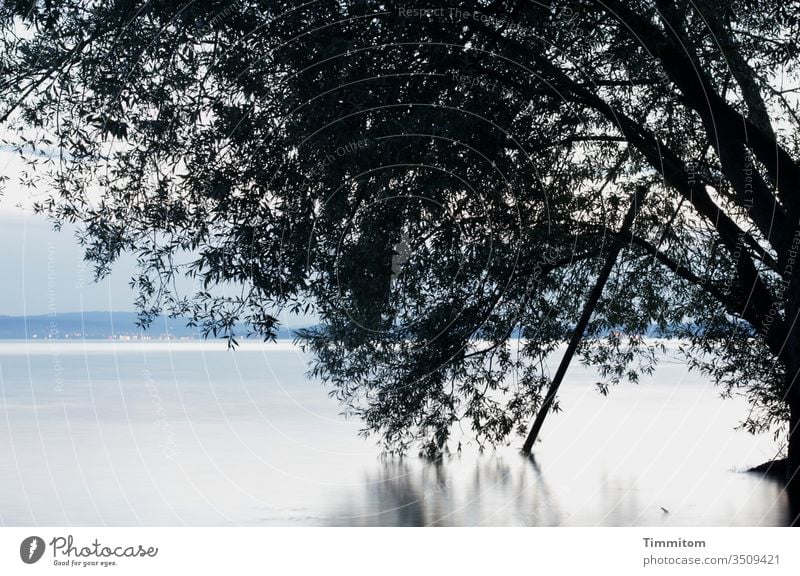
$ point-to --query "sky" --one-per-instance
(45, 271)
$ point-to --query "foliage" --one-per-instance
(283, 151)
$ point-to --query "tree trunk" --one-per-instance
(793, 456)
(583, 321)
(792, 393)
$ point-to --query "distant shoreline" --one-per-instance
(111, 326)
(80, 346)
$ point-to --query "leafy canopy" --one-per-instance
(438, 183)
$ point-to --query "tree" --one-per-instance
(439, 183)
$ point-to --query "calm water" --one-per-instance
(191, 434)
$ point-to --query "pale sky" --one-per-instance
(45, 272)
(44, 269)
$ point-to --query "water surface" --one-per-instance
(189, 433)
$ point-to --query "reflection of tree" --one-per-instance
(452, 493)
(193, 137)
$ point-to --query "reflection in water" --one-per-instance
(194, 435)
(509, 489)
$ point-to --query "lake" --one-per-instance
(189, 433)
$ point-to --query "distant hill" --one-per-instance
(100, 325)
(122, 326)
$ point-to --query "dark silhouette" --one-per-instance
(284, 147)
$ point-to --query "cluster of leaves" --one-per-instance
(286, 148)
